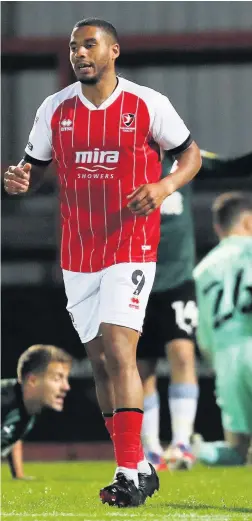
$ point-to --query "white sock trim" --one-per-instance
(129, 474)
(143, 467)
(183, 412)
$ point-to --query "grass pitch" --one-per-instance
(69, 492)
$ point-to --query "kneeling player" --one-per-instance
(224, 292)
(43, 372)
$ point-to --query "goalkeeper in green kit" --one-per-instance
(224, 295)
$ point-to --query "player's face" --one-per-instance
(53, 385)
(92, 53)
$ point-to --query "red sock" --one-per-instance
(127, 431)
(141, 455)
(109, 424)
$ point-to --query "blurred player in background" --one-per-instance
(224, 294)
(42, 382)
(171, 319)
(106, 136)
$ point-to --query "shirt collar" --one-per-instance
(106, 103)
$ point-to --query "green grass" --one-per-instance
(69, 492)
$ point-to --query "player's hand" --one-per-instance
(17, 179)
(146, 198)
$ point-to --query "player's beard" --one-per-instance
(89, 81)
(94, 79)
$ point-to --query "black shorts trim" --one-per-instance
(128, 409)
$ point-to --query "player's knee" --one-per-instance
(99, 370)
(119, 364)
(146, 369)
(238, 441)
(181, 354)
(120, 349)
(98, 363)
(120, 358)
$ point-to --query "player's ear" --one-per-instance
(32, 379)
(115, 51)
(247, 222)
(218, 230)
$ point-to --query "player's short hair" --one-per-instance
(36, 359)
(97, 22)
(228, 207)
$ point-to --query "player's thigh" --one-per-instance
(182, 316)
(83, 300)
(124, 294)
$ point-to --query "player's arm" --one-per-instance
(170, 133)
(187, 165)
(25, 177)
(15, 460)
(29, 173)
(203, 341)
(203, 331)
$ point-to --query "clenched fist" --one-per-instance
(17, 179)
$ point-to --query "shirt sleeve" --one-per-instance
(39, 145)
(168, 129)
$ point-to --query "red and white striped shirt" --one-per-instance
(102, 154)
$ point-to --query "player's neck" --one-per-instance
(32, 405)
(98, 93)
(238, 231)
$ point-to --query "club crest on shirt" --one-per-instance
(128, 122)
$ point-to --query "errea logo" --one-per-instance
(9, 429)
(66, 125)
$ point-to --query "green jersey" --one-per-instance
(224, 295)
(176, 251)
(16, 423)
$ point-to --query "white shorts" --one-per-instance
(116, 295)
